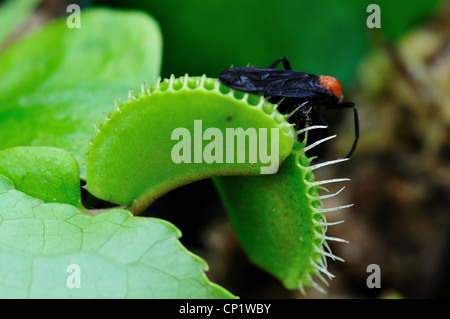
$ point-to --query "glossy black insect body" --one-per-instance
(300, 91)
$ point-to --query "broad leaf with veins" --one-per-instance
(119, 256)
(55, 83)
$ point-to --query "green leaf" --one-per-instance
(56, 83)
(115, 254)
(279, 220)
(47, 173)
(131, 160)
(12, 14)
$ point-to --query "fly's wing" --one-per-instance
(274, 82)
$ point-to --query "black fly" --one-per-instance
(300, 91)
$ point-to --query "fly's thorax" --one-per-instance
(331, 84)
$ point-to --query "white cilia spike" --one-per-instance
(314, 167)
(131, 95)
(305, 141)
(266, 98)
(308, 128)
(329, 181)
(322, 278)
(105, 116)
(202, 80)
(278, 104)
(324, 270)
(335, 239)
(143, 87)
(295, 110)
(319, 288)
(158, 83)
(261, 102)
(316, 285)
(216, 84)
(326, 210)
(171, 80)
(323, 262)
(302, 289)
(331, 195)
(332, 256)
(327, 247)
(116, 105)
(326, 224)
(184, 80)
(312, 158)
(318, 142)
(96, 128)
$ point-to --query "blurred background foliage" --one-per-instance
(398, 76)
(320, 37)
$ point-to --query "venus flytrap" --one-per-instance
(131, 159)
(278, 218)
(280, 221)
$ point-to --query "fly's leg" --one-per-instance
(285, 61)
(356, 121)
(317, 114)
